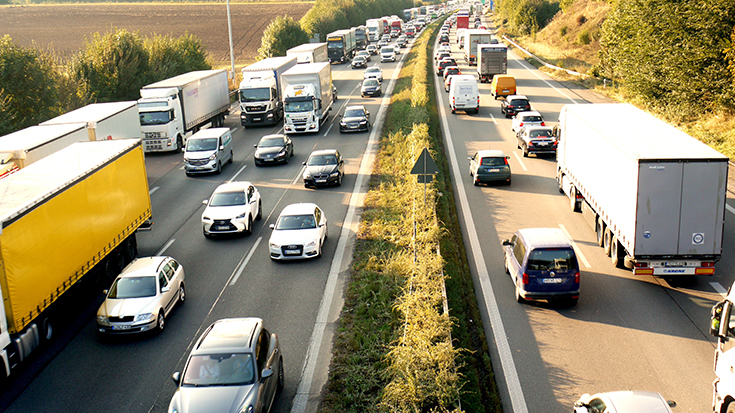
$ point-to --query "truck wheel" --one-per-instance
(607, 241)
(615, 253)
(180, 144)
(573, 200)
(600, 231)
(730, 408)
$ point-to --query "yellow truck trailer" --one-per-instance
(61, 217)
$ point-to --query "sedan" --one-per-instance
(443, 64)
(373, 72)
(325, 167)
(142, 296)
(526, 119)
(359, 62)
(356, 118)
(370, 87)
(489, 166)
(451, 70)
(273, 149)
(382, 44)
(299, 232)
(624, 402)
(235, 366)
(231, 209)
(364, 53)
(537, 140)
(372, 49)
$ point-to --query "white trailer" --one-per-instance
(472, 38)
(654, 195)
(308, 95)
(493, 60)
(26, 146)
(260, 91)
(105, 121)
(309, 53)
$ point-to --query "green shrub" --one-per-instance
(282, 34)
(583, 37)
(170, 56)
(581, 20)
(563, 31)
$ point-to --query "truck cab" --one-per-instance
(303, 109)
(722, 326)
(259, 100)
(162, 129)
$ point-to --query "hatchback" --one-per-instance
(490, 166)
(542, 264)
(526, 119)
(513, 104)
(370, 87)
(359, 62)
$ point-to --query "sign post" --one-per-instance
(425, 168)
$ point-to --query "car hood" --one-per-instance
(266, 150)
(224, 212)
(233, 399)
(294, 236)
(355, 119)
(199, 154)
(120, 307)
(321, 169)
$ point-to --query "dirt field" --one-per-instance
(64, 27)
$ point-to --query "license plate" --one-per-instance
(256, 119)
(542, 143)
(269, 159)
(506, 90)
(493, 170)
(290, 252)
(220, 227)
(321, 181)
(552, 280)
(674, 264)
(121, 327)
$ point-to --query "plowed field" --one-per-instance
(65, 27)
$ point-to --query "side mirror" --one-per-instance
(221, 148)
(266, 373)
(507, 156)
(205, 202)
(507, 242)
(105, 292)
(272, 226)
(469, 158)
(720, 319)
(166, 289)
(303, 163)
(255, 146)
(176, 377)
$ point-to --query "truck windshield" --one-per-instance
(299, 106)
(255, 95)
(155, 118)
(335, 45)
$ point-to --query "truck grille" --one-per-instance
(259, 108)
(152, 135)
(299, 122)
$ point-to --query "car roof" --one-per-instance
(373, 69)
(232, 186)
(544, 237)
(635, 401)
(536, 127)
(273, 135)
(490, 153)
(141, 266)
(355, 106)
(229, 334)
(511, 97)
(528, 113)
(209, 133)
(302, 208)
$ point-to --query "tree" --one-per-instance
(170, 57)
(282, 34)
(28, 93)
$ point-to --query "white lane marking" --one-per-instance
(576, 248)
(729, 208)
(235, 130)
(518, 158)
(535, 71)
(495, 121)
(719, 288)
(244, 263)
(165, 247)
(237, 173)
(301, 398)
(496, 321)
(299, 175)
(329, 128)
(154, 189)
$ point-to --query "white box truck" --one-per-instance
(309, 53)
(172, 109)
(375, 28)
(260, 91)
(26, 146)
(493, 60)
(105, 121)
(308, 95)
(472, 38)
(654, 195)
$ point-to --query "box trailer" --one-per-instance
(260, 97)
(26, 146)
(105, 121)
(341, 45)
(473, 38)
(309, 53)
(492, 60)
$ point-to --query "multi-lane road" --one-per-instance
(625, 333)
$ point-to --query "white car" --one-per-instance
(526, 119)
(624, 402)
(142, 296)
(299, 232)
(387, 54)
(373, 72)
(232, 208)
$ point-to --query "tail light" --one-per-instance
(505, 160)
(521, 125)
(576, 277)
(708, 264)
(525, 278)
(543, 123)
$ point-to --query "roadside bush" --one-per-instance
(581, 20)
(563, 31)
(583, 37)
(168, 56)
(282, 34)
(527, 16)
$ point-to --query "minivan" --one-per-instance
(464, 94)
(543, 266)
(207, 150)
(503, 85)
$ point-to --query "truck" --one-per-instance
(26, 146)
(407, 15)
(104, 121)
(341, 45)
(309, 53)
(473, 37)
(173, 109)
(723, 398)
(308, 95)
(361, 40)
(493, 60)
(463, 20)
(396, 27)
(260, 93)
(71, 216)
(654, 195)
(375, 29)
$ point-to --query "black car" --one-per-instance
(514, 104)
(325, 167)
(370, 87)
(359, 62)
(355, 119)
(444, 38)
(443, 64)
(273, 149)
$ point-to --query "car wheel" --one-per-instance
(182, 294)
(219, 168)
(519, 297)
(281, 375)
(249, 229)
(161, 323)
(260, 210)
(507, 182)
(319, 253)
(232, 157)
(339, 180)
(505, 264)
(525, 151)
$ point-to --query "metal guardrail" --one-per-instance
(549, 65)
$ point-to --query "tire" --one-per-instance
(339, 180)
(160, 322)
(182, 294)
(453, 111)
(607, 241)
(249, 229)
(505, 265)
(599, 230)
(219, 168)
(281, 375)
(206, 234)
(232, 158)
(180, 144)
(519, 298)
(507, 182)
(525, 152)
(730, 407)
(260, 210)
(573, 200)
(615, 253)
(319, 254)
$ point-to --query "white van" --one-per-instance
(207, 150)
(387, 54)
(464, 94)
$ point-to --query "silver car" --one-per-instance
(142, 296)
(235, 366)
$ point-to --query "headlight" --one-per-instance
(334, 174)
(212, 156)
(257, 154)
(342, 124)
(282, 153)
(274, 245)
(363, 122)
(101, 319)
(311, 244)
(249, 409)
(143, 317)
(242, 215)
(186, 159)
(307, 175)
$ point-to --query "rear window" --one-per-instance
(540, 134)
(494, 161)
(519, 102)
(551, 259)
(532, 119)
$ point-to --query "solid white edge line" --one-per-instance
(576, 248)
(245, 262)
(510, 373)
(520, 161)
(307, 375)
(165, 247)
(729, 208)
(535, 71)
(719, 288)
(154, 189)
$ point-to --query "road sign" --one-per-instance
(425, 165)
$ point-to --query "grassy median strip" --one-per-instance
(396, 349)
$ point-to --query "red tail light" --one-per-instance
(543, 123)
(506, 160)
(520, 124)
(525, 278)
(708, 264)
(576, 277)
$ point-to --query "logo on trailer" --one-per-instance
(697, 238)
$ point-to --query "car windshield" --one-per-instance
(494, 161)
(270, 142)
(227, 199)
(201, 145)
(370, 82)
(299, 106)
(552, 259)
(133, 287)
(322, 160)
(296, 222)
(532, 119)
(540, 133)
(359, 59)
(386, 50)
(354, 113)
(372, 70)
(225, 369)
(155, 118)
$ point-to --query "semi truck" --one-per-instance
(308, 95)
(654, 195)
(493, 60)
(407, 15)
(396, 27)
(260, 93)
(69, 217)
(26, 146)
(472, 38)
(104, 121)
(309, 53)
(463, 21)
(361, 40)
(375, 29)
(172, 109)
(341, 45)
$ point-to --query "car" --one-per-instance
(373, 72)
(372, 49)
(387, 54)
(381, 44)
(442, 55)
(542, 264)
(364, 53)
(411, 32)
(526, 119)
(272, 149)
(538, 140)
(359, 62)
(386, 37)
(324, 167)
(397, 49)
(513, 104)
(142, 296)
(231, 209)
(235, 366)
(371, 87)
(395, 33)
(489, 166)
(444, 38)
(355, 119)
(451, 70)
(448, 82)
(635, 401)
(401, 42)
(299, 232)
(444, 63)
